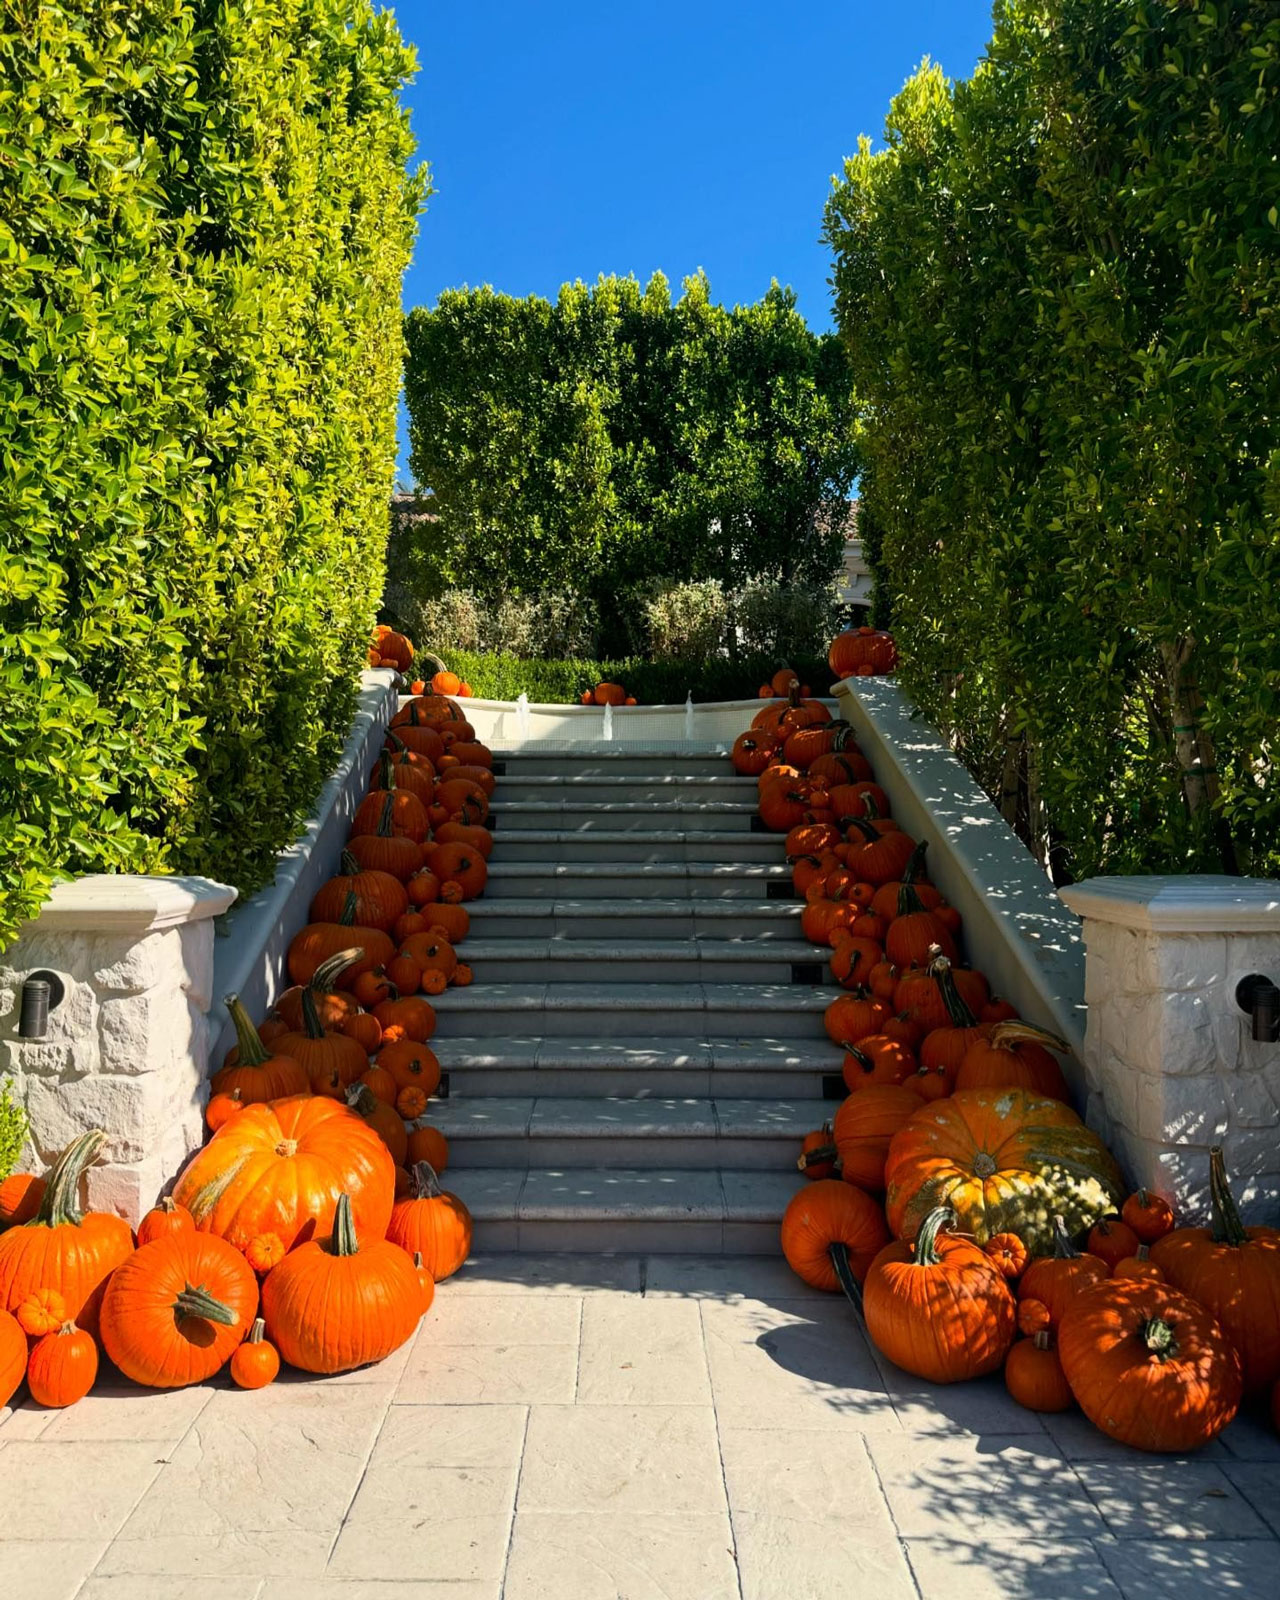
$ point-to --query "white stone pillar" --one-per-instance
(1170, 1060)
(127, 1048)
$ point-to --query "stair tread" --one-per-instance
(621, 1194)
(638, 869)
(586, 1117)
(668, 1051)
(501, 807)
(657, 906)
(770, 997)
(632, 836)
(691, 947)
(566, 780)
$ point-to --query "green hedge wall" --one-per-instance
(500, 677)
(205, 215)
(1057, 286)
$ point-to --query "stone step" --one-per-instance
(642, 918)
(629, 761)
(517, 1132)
(701, 959)
(633, 880)
(661, 1067)
(657, 844)
(662, 1211)
(619, 816)
(634, 1012)
(576, 787)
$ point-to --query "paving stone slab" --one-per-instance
(377, 1589)
(778, 1556)
(44, 1569)
(512, 1374)
(119, 1410)
(139, 1586)
(726, 1278)
(26, 1420)
(1250, 1437)
(487, 1274)
(615, 1556)
(500, 1318)
(642, 1352)
(1078, 1440)
(73, 1490)
(985, 1569)
(1259, 1482)
(1170, 1499)
(940, 1487)
(625, 1459)
(1189, 1569)
(250, 1553)
(793, 1364)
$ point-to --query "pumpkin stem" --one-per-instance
(861, 1057)
(1159, 1338)
(1006, 1034)
(816, 1156)
(310, 1016)
(348, 866)
(957, 1007)
(198, 1302)
(1043, 1340)
(385, 830)
(253, 1053)
(909, 902)
(257, 1333)
(424, 1182)
(361, 1099)
(1063, 1249)
(1227, 1226)
(348, 917)
(59, 1205)
(344, 1241)
(927, 1239)
(324, 979)
(870, 833)
(843, 1268)
(914, 871)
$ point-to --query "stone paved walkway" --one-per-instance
(637, 1429)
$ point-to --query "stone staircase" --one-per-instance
(642, 1048)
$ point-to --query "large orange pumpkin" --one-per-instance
(322, 1051)
(280, 1168)
(380, 896)
(939, 1309)
(1015, 1055)
(1055, 1281)
(1231, 1270)
(13, 1356)
(320, 940)
(339, 1303)
(1149, 1366)
(1006, 1160)
(258, 1073)
(831, 1231)
(175, 1311)
(62, 1247)
(432, 1223)
(865, 1125)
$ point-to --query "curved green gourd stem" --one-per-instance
(348, 917)
(198, 1302)
(426, 1185)
(861, 1057)
(59, 1206)
(940, 1218)
(324, 979)
(1063, 1249)
(957, 1007)
(913, 872)
(843, 737)
(1011, 1033)
(348, 866)
(1227, 1226)
(870, 833)
(311, 1024)
(1159, 1338)
(386, 771)
(385, 830)
(843, 1267)
(253, 1053)
(344, 1241)
(361, 1099)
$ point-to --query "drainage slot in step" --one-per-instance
(442, 1093)
(498, 769)
(834, 1087)
(779, 891)
(758, 826)
(806, 972)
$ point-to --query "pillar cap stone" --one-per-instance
(104, 902)
(1194, 903)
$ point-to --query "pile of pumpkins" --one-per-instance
(311, 1227)
(606, 694)
(862, 653)
(956, 1196)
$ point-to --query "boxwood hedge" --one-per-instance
(205, 214)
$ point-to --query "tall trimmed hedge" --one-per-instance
(618, 436)
(205, 214)
(1057, 286)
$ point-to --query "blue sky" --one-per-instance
(566, 141)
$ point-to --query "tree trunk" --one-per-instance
(1192, 745)
(1010, 776)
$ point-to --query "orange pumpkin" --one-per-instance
(379, 896)
(163, 1219)
(865, 1125)
(385, 1120)
(334, 1305)
(13, 1356)
(1055, 1281)
(320, 940)
(432, 1223)
(175, 1311)
(411, 1062)
(1034, 1377)
(62, 1247)
(257, 1073)
(20, 1197)
(430, 1145)
(1013, 1055)
(831, 1232)
(1149, 1215)
(62, 1367)
(256, 1362)
(1006, 1160)
(280, 1168)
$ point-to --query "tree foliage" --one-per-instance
(204, 219)
(617, 436)
(1057, 287)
